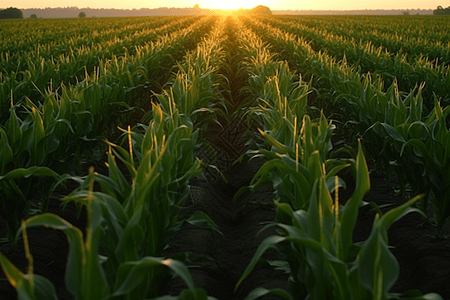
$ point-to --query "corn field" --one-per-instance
(225, 157)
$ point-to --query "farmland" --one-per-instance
(225, 157)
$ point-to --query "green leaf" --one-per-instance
(377, 267)
(32, 171)
(270, 242)
(43, 288)
(349, 214)
(13, 125)
(130, 274)
(6, 153)
(74, 273)
(13, 274)
(181, 270)
(199, 218)
(397, 213)
(40, 289)
(392, 132)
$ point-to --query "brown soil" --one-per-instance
(239, 221)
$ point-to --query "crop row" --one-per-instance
(316, 230)
(366, 58)
(133, 209)
(132, 215)
(414, 36)
(42, 73)
(41, 138)
(404, 132)
(99, 45)
(62, 36)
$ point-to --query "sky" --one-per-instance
(232, 4)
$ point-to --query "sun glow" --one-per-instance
(232, 4)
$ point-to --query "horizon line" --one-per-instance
(174, 7)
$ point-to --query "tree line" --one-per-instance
(15, 13)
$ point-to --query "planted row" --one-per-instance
(366, 58)
(315, 243)
(415, 36)
(43, 140)
(135, 212)
(35, 73)
(394, 125)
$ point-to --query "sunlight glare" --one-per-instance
(233, 4)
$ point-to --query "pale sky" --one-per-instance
(231, 4)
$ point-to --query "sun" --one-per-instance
(232, 4)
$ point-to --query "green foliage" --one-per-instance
(419, 146)
(63, 91)
(85, 276)
(441, 11)
(195, 88)
(316, 232)
(386, 114)
(135, 210)
(65, 124)
(11, 13)
(317, 244)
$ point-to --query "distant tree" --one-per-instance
(441, 11)
(261, 10)
(82, 15)
(33, 16)
(11, 13)
(197, 6)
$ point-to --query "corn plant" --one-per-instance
(281, 95)
(364, 102)
(136, 218)
(317, 231)
(42, 69)
(16, 189)
(390, 66)
(373, 107)
(23, 147)
(85, 276)
(317, 245)
(129, 223)
(421, 147)
(293, 169)
(195, 87)
(65, 125)
(291, 136)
